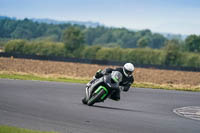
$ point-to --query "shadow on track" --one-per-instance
(115, 108)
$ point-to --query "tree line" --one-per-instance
(100, 35)
(119, 44)
(169, 56)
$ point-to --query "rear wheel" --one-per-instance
(96, 97)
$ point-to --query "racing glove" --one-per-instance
(98, 74)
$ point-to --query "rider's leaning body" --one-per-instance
(127, 78)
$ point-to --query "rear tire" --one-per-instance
(95, 98)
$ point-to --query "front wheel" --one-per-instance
(84, 101)
(96, 97)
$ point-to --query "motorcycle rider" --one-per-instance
(127, 78)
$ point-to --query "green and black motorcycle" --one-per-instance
(102, 88)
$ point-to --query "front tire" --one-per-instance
(84, 101)
(95, 98)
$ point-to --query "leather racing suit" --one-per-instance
(124, 85)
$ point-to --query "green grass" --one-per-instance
(33, 77)
(9, 129)
(165, 87)
(84, 81)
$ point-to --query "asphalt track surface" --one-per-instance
(53, 106)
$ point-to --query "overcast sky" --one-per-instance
(171, 16)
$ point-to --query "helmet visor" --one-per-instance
(128, 72)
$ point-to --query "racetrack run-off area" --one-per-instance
(86, 71)
(56, 106)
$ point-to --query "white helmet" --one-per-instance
(128, 69)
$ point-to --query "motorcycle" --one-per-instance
(102, 88)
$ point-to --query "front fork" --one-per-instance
(88, 92)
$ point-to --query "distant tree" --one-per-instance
(92, 34)
(126, 38)
(105, 38)
(54, 31)
(25, 29)
(7, 26)
(172, 53)
(143, 42)
(41, 29)
(28, 29)
(145, 32)
(15, 46)
(73, 38)
(22, 33)
(90, 51)
(158, 41)
(192, 43)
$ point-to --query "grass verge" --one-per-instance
(168, 87)
(9, 129)
(41, 78)
(84, 81)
